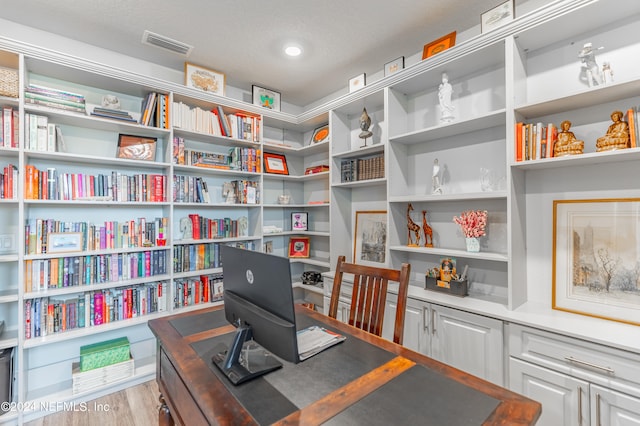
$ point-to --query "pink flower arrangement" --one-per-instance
(472, 223)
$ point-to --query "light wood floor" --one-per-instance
(135, 406)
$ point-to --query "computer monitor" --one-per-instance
(258, 300)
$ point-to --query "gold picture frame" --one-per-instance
(205, 79)
(439, 45)
(595, 251)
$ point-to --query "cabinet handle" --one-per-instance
(579, 406)
(589, 364)
(433, 321)
(425, 320)
(598, 409)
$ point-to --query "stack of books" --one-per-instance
(102, 363)
(54, 98)
(115, 114)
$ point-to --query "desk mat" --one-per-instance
(281, 392)
(193, 324)
(420, 396)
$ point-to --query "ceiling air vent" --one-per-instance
(166, 43)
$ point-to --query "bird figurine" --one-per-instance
(365, 123)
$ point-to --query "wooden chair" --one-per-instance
(369, 296)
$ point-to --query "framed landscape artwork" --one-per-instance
(596, 247)
(203, 79)
(370, 238)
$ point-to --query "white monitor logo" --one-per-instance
(249, 276)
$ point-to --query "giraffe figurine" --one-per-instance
(412, 227)
(428, 232)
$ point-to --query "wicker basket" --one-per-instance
(8, 82)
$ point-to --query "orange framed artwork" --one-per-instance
(439, 45)
(299, 247)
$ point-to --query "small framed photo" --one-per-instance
(595, 258)
(63, 242)
(439, 45)
(394, 66)
(268, 246)
(357, 82)
(321, 134)
(266, 98)
(299, 247)
(275, 163)
(133, 147)
(204, 79)
(299, 221)
(370, 238)
(497, 17)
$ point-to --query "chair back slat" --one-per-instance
(369, 296)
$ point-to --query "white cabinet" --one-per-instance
(577, 382)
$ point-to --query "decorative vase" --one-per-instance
(473, 244)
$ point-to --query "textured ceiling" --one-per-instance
(243, 38)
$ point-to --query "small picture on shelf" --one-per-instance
(136, 147)
(439, 45)
(299, 247)
(497, 17)
(266, 98)
(394, 66)
(299, 221)
(370, 238)
(204, 79)
(63, 242)
(357, 82)
(275, 163)
(321, 134)
(268, 247)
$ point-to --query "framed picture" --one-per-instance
(275, 163)
(394, 66)
(203, 79)
(268, 246)
(299, 247)
(497, 17)
(370, 238)
(61, 242)
(439, 45)
(265, 98)
(357, 82)
(136, 147)
(596, 247)
(299, 221)
(321, 134)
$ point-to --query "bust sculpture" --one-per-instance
(567, 144)
(365, 123)
(617, 136)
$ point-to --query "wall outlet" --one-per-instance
(7, 243)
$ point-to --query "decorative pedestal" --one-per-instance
(473, 244)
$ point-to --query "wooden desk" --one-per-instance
(363, 380)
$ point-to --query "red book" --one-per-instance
(518, 141)
(98, 308)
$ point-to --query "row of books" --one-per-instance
(9, 180)
(140, 232)
(73, 271)
(193, 291)
(356, 169)
(10, 119)
(54, 98)
(190, 189)
(245, 191)
(197, 257)
(155, 110)
(40, 135)
(535, 140)
(51, 185)
(205, 228)
(47, 316)
(216, 122)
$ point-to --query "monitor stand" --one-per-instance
(245, 360)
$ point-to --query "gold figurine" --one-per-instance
(617, 136)
(567, 144)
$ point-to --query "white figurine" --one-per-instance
(590, 70)
(444, 96)
(607, 73)
(436, 188)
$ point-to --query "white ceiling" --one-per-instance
(243, 38)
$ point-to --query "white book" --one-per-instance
(43, 122)
(51, 137)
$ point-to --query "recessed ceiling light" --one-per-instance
(293, 50)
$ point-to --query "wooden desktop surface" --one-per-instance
(364, 380)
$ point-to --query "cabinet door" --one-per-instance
(470, 342)
(564, 399)
(613, 408)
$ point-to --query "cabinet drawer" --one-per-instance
(578, 358)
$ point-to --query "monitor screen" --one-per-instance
(258, 300)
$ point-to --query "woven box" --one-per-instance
(8, 82)
(457, 288)
(101, 354)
